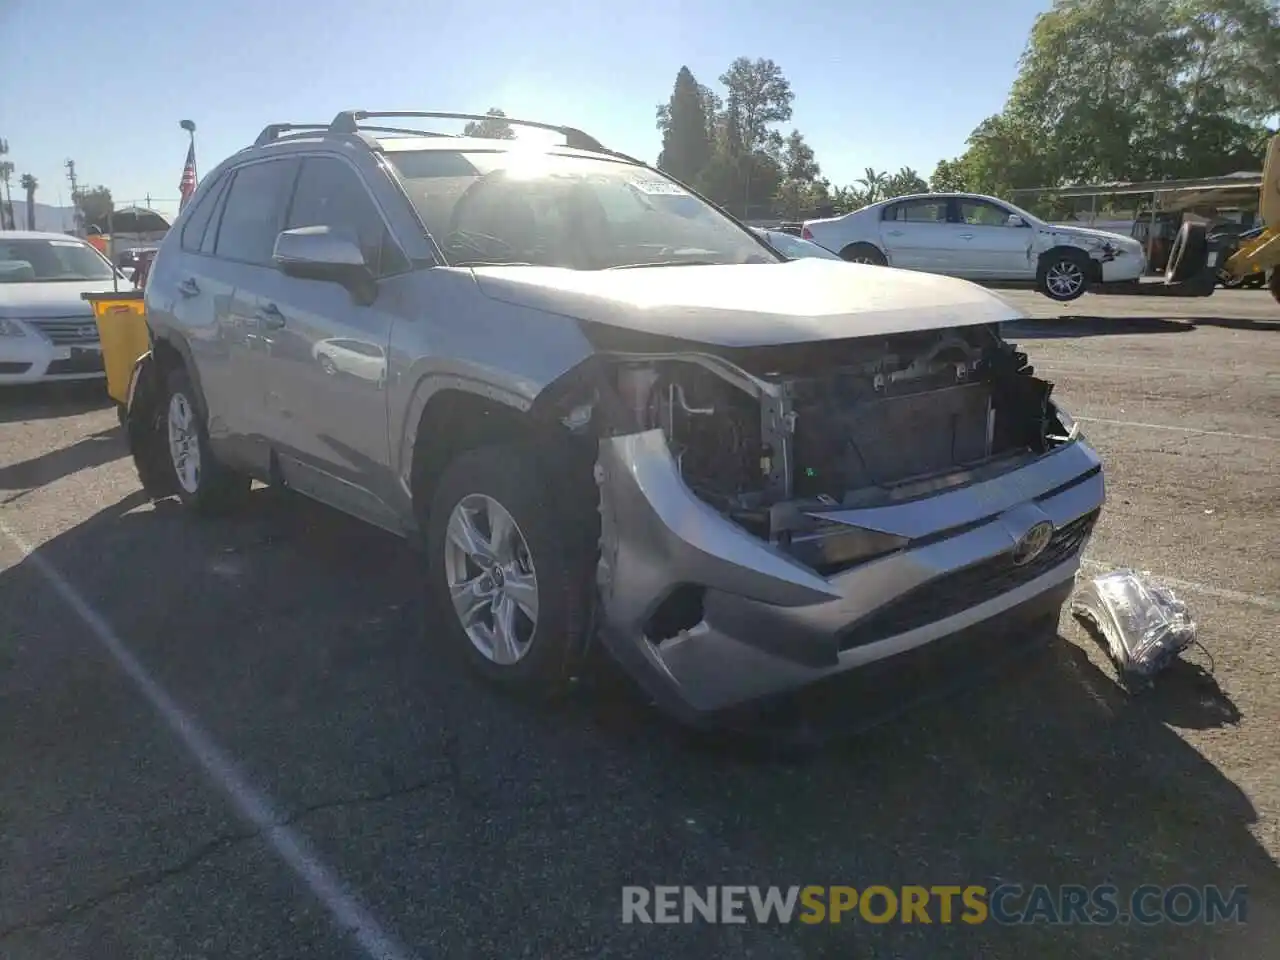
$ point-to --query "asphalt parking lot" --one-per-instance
(241, 739)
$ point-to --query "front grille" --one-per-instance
(67, 331)
(961, 589)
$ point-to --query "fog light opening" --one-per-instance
(680, 610)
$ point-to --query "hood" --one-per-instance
(33, 301)
(746, 305)
(1087, 233)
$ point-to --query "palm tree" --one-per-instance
(29, 184)
(873, 184)
(6, 198)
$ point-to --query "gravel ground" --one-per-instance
(286, 655)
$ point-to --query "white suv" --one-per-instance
(980, 238)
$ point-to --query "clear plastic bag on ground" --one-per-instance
(1145, 625)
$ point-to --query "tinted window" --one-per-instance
(198, 219)
(251, 214)
(330, 194)
(979, 213)
(919, 211)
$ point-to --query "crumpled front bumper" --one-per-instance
(771, 624)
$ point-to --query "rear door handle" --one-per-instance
(189, 287)
(270, 316)
(895, 233)
(966, 236)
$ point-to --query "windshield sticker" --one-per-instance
(659, 188)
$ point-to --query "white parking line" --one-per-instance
(255, 806)
(1267, 603)
(1166, 426)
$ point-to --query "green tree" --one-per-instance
(757, 96)
(798, 160)
(873, 185)
(29, 184)
(1132, 90)
(686, 144)
(94, 206)
(949, 176)
(905, 181)
(495, 127)
(6, 201)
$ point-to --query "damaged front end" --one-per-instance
(771, 515)
(144, 428)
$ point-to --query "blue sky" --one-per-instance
(877, 83)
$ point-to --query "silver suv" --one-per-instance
(608, 412)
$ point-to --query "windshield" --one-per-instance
(50, 261)
(552, 210)
(795, 248)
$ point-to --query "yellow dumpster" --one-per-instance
(122, 329)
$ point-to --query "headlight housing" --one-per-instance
(11, 328)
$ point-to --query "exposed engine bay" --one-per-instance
(764, 433)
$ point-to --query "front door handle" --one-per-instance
(966, 236)
(270, 317)
(895, 233)
(189, 287)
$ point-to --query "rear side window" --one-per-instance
(918, 211)
(330, 194)
(198, 221)
(252, 212)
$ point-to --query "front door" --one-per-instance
(914, 233)
(988, 247)
(328, 402)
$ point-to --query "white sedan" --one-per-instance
(47, 332)
(980, 238)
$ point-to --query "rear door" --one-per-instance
(915, 234)
(190, 291)
(251, 220)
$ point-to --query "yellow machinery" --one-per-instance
(1262, 253)
(122, 329)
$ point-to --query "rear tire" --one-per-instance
(864, 253)
(542, 565)
(1063, 275)
(202, 482)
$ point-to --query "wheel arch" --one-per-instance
(1093, 269)
(855, 244)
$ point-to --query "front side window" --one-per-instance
(252, 211)
(330, 194)
(556, 210)
(31, 260)
(981, 213)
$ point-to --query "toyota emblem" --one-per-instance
(1032, 543)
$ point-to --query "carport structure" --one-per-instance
(1234, 190)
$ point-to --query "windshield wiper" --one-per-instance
(668, 263)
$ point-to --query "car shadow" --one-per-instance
(1045, 772)
(1073, 325)
(42, 401)
(91, 451)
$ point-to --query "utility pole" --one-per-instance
(6, 202)
(75, 194)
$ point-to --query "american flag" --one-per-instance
(188, 184)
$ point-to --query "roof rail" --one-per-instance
(348, 122)
(272, 131)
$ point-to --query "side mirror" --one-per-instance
(323, 253)
(1015, 221)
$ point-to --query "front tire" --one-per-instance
(511, 569)
(1064, 275)
(202, 482)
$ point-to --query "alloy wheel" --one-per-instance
(491, 578)
(184, 443)
(1064, 278)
